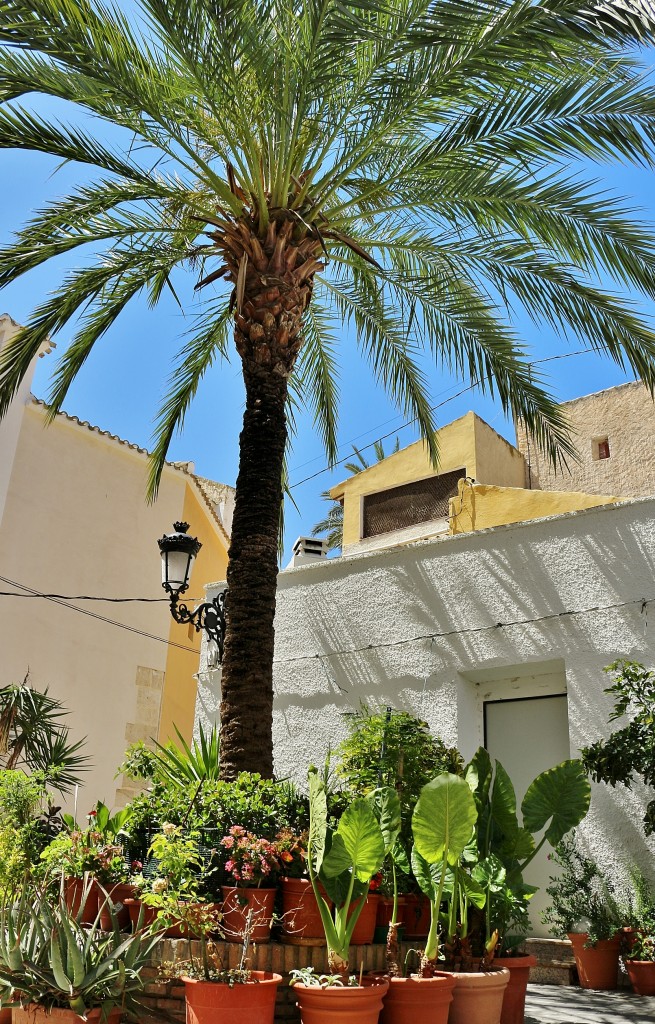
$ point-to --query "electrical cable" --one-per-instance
(409, 423)
(94, 615)
(642, 602)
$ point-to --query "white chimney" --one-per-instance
(308, 550)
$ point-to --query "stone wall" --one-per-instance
(625, 416)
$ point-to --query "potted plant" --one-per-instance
(173, 885)
(638, 939)
(301, 920)
(387, 747)
(341, 863)
(443, 824)
(554, 803)
(216, 994)
(583, 907)
(55, 970)
(250, 861)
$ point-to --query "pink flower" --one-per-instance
(227, 842)
(229, 865)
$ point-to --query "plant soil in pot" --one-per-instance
(598, 965)
(211, 1002)
(356, 1005)
(642, 976)
(478, 996)
(301, 920)
(237, 902)
(513, 1011)
(417, 1000)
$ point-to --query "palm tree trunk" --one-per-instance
(247, 683)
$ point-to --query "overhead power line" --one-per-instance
(433, 408)
(64, 602)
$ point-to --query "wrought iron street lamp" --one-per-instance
(178, 551)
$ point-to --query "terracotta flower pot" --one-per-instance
(301, 919)
(360, 1005)
(5, 1016)
(236, 904)
(74, 889)
(416, 916)
(416, 1000)
(365, 927)
(513, 1011)
(211, 1002)
(116, 894)
(598, 966)
(33, 1013)
(642, 976)
(478, 997)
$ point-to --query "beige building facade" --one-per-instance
(74, 521)
(614, 433)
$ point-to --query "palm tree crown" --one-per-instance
(399, 165)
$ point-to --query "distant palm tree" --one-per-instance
(333, 522)
(402, 166)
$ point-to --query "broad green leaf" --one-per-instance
(475, 893)
(559, 799)
(490, 873)
(443, 818)
(357, 844)
(503, 802)
(478, 775)
(317, 818)
(385, 804)
(427, 875)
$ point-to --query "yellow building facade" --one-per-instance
(479, 483)
(74, 521)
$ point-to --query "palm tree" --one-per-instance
(398, 165)
(332, 523)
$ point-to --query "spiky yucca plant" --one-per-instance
(398, 165)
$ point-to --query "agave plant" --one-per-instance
(48, 958)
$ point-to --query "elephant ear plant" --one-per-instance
(48, 959)
(341, 863)
(443, 824)
(554, 804)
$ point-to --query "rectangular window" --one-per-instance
(410, 504)
(600, 448)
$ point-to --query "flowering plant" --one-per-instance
(292, 853)
(250, 860)
(83, 851)
(177, 865)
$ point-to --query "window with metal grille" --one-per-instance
(410, 504)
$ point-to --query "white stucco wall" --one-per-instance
(416, 627)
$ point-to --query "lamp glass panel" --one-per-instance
(176, 568)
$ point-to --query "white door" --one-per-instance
(528, 736)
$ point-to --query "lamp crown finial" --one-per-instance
(180, 527)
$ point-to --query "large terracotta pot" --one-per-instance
(478, 997)
(74, 893)
(236, 904)
(365, 927)
(642, 976)
(210, 1002)
(35, 1014)
(416, 916)
(5, 1016)
(598, 966)
(416, 1000)
(513, 1011)
(358, 1005)
(301, 920)
(116, 894)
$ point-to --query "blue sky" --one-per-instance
(123, 382)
